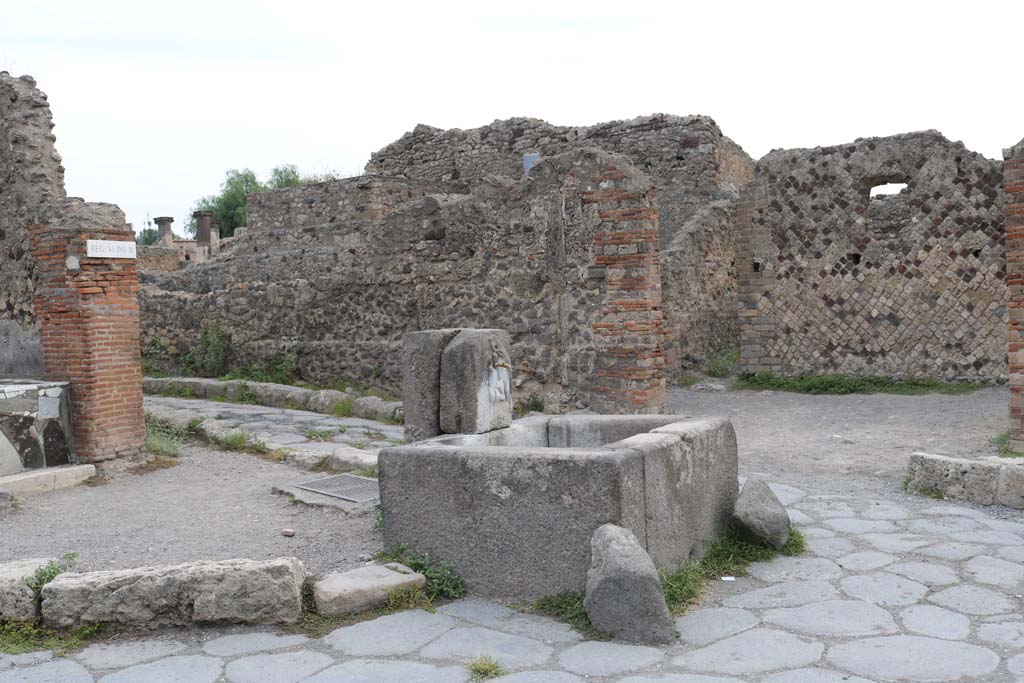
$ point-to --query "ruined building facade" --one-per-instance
(616, 255)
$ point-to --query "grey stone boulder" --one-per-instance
(363, 588)
(624, 596)
(323, 401)
(280, 395)
(421, 381)
(17, 600)
(228, 591)
(476, 385)
(761, 516)
(376, 408)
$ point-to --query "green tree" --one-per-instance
(147, 237)
(228, 206)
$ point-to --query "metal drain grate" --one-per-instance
(345, 486)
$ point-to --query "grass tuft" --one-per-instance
(568, 608)
(687, 379)
(442, 581)
(233, 441)
(722, 365)
(342, 408)
(850, 384)
(1002, 442)
(319, 434)
(483, 668)
(19, 637)
(408, 598)
(370, 472)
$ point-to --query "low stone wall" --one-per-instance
(989, 481)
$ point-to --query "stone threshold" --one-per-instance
(45, 480)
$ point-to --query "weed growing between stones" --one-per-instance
(47, 573)
(175, 390)
(323, 465)
(316, 625)
(1002, 442)
(370, 472)
(730, 555)
(245, 395)
(850, 384)
(687, 379)
(233, 441)
(722, 365)
(212, 355)
(374, 435)
(319, 434)
(164, 438)
(358, 444)
(442, 581)
(483, 668)
(408, 598)
(342, 408)
(568, 608)
(19, 637)
(926, 491)
(533, 404)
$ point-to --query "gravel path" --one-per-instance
(891, 589)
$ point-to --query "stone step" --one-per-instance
(47, 479)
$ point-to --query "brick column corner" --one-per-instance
(1013, 186)
(629, 328)
(89, 311)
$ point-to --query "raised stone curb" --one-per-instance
(279, 396)
(988, 481)
(17, 600)
(44, 480)
(228, 591)
(363, 588)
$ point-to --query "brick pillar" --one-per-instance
(629, 329)
(1013, 207)
(89, 312)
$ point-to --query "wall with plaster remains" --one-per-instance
(912, 284)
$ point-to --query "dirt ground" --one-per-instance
(218, 505)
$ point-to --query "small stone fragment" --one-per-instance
(761, 515)
(363, 588)
(288, 532)
(624, 595)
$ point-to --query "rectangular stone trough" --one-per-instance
(513, 510)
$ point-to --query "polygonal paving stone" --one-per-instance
(753, 652)
(953, 551)
(818, 532)
(539, 677)
(605, 659)
(865, 561)
(541, 628)
(994, 537)
(1013, 553)
(995, 572)
(787, 495)
(895, 543)
(825, 509)
(250, 643)
(510, 651)
(936, 622)
(913, 658)
(1015, 665)
(882, 510)
(813, 676)
(59, 671)
(929, 574)
(943, 526)
(883, 588)
(1008, 633)
(179, 669)
(708, 625)
(799, 518)
(829, 547)
(478, 611)
(383, 671)
(9, 661)
(854, 525)
(834, 618)
(679, 678)
(971, 599)
(120, 655)
(394, 634)
(795, 569)
(790, 594)
(285, 667)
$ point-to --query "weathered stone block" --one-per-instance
(624, 596)
(973, 480)
(1011, 486)
(588, 431)
(229, 591)
(476, 386)
(323, 401)
(511, 521)
(761, 516)
(421, 381)
(363, 588)
(375, 408)
(17, 601)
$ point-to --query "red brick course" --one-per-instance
(89, 312)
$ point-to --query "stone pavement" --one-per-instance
(907, 590)
(300, 432)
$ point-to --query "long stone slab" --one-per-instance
(32, 482)
(986, 481)
(228, 591)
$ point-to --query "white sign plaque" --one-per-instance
(109, 249)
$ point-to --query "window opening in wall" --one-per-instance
(757, 266)
(887, 189)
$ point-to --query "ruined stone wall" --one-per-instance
(339, 271)
(913, 284)
(165, 259)
(692, 165)
(1013, 185)
(31, 179)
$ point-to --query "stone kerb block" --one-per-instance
(363, 588)
(624, 595)
(421, 381)
(17, 601)
(511, 521)
(988, 481)
(229, 591)
(476, 384)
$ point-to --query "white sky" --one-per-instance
(153, 101)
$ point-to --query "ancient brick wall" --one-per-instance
(912, 284)
(31, 178)
(1013, 184)
(341, 270)
(89, 314)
